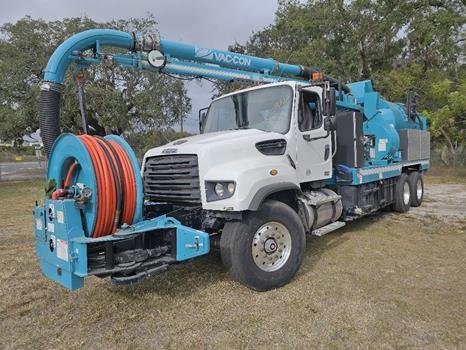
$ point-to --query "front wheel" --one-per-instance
(266, 249)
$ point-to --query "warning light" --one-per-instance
(317, 76)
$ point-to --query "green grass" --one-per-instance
(386, 281)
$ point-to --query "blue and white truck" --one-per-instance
(299, 153)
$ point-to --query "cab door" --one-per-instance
(314, 145)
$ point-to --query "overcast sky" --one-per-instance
(208, 23)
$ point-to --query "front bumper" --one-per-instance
(66, 255)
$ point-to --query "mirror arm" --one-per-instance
(202, 117)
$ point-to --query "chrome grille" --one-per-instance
(172, 179)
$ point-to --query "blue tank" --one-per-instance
(382, 122)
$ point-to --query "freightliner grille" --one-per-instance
(172, 179)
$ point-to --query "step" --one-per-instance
(329, 228)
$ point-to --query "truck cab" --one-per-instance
(254, 142)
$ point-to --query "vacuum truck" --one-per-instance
(298, 153)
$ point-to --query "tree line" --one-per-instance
(122, 101)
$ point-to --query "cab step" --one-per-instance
(328, 228)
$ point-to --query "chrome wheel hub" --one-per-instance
(406, 193)
(271, 246)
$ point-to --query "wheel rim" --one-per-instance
(419, 189)
(406, 193)
(271, 246)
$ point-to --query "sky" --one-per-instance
(206, 23)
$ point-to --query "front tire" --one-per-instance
(266, 249)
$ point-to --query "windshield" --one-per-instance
(267, 109)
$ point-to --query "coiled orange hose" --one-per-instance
(69, 175)
(116, 184)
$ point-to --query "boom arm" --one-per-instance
(179, 58)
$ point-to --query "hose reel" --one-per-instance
(102, 175)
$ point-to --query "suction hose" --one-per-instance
(49, 113)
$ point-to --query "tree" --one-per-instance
(118, 100)
(448, 119)
(23, 54)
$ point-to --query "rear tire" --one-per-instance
(402, 194)
(417, 188)
(266, 249)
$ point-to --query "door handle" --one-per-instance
(308, 137)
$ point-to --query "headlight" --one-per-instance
(217, 190)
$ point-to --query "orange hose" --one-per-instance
(113, 171)
(129, 187)
(69, 174)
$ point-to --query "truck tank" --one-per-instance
(389, 134)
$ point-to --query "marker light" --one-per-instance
(317, 76)
(231, 187)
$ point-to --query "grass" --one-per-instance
(438, 174)
(385, 281)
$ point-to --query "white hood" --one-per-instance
(221, 139)
(231, 156)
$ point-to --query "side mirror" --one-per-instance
(202, 118)
(330, 102)
(330, 123)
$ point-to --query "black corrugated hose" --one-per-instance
(49, 114)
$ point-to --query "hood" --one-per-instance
(232, 140)
(220, 136)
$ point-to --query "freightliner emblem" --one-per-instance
(169, 150)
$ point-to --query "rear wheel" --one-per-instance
(266, 249)
(417, 188)
(402, 194)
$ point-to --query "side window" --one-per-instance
(221, 116)
(310, 116)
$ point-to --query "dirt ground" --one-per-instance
(385, 281)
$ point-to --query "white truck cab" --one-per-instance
(254, 142)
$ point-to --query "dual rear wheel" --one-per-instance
(409, 191)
